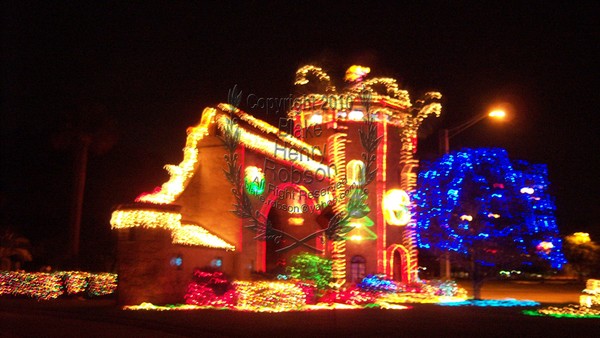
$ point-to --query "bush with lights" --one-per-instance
(309, 267)
(447, 288)
(210, 287)
(378, 283)
(45, 286)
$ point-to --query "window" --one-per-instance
(355, 172)
(177, 262)
(356, 115)
(358, 266)
(217, 263)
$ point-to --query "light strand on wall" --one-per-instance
(265, 147)
(129, 218)
(191, 234)
(266, 128)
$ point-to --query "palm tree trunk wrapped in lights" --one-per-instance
(409, 165)
(337, 144)
(408, 183)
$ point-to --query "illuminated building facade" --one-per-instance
(333, 178)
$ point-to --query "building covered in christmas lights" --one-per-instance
(333, 178)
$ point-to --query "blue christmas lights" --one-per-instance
(377, 283)
(479, 197)
(492, 303)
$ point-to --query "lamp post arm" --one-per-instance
(465, 125)
(446, 134)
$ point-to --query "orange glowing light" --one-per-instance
(356, 73)
(497, 114)
(297, 221)
(579, 238)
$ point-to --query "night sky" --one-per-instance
(153, 68)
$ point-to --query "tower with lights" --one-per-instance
(371, 129)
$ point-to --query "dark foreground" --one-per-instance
(101, 318)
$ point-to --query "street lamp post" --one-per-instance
(444, 148)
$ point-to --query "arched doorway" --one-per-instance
(291, 227)
(399, 263)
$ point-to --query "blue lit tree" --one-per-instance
(489, 212)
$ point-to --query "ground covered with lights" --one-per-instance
(213, 291)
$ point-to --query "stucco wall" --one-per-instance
(147, 273)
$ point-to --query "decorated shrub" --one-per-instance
(378, 283)
(309, 267)
(210, 288)
(269, 296)
(45, 285)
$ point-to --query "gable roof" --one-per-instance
(181, 174)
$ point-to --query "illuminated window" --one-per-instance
(355, 172)
(217, 262)
(177, 262)
(358, 265)
(315, 119)
(254, 180)
(356, 115)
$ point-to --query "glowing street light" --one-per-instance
(447, 134)
(497, 114)
(579, 238)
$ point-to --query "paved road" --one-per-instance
(543, 292)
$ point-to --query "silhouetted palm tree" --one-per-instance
(83, 130)
(14, 250)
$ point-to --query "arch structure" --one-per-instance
(308, 241)
(405, 264)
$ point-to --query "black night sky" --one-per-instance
(153, 67)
